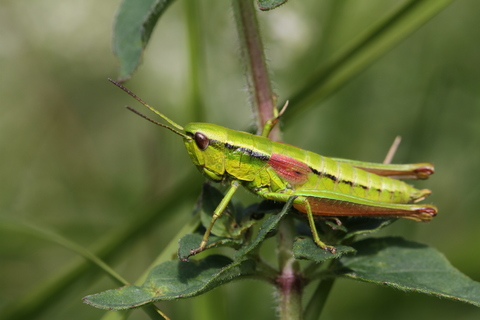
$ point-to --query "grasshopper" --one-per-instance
(321, 186)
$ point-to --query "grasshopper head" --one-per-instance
(206, 148)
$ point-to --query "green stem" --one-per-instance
(154, 313)
(258, 79)
(318, 299)
(196, 57)
(289, 282)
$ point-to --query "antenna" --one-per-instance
(179, 127)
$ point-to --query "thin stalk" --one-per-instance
(258, 80)
(319, 298)
(196, 57)
(393, 149)
(154, 313)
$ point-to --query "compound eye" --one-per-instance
(201, 140)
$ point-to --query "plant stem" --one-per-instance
(196, 57)
(319, 297)
(289, 282)
(258, 79)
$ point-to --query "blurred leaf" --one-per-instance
(306, 249)
(269, 4)
(409, 266)
(132, 30)
(174, 280)
(359, 54)
(45, 234)
(113, 243)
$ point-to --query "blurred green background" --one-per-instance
(74, 161)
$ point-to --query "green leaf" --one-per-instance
(306, 249)
(269, 4)
(362, 51)
(363, 225)
(335, 226)
(353, 226)
(133, 27)
(267, 229)
(174, 280)
(257, 211)
(192, 241)
(409, 266)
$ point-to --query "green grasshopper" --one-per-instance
(321, 186)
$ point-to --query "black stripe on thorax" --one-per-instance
(250, 152)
